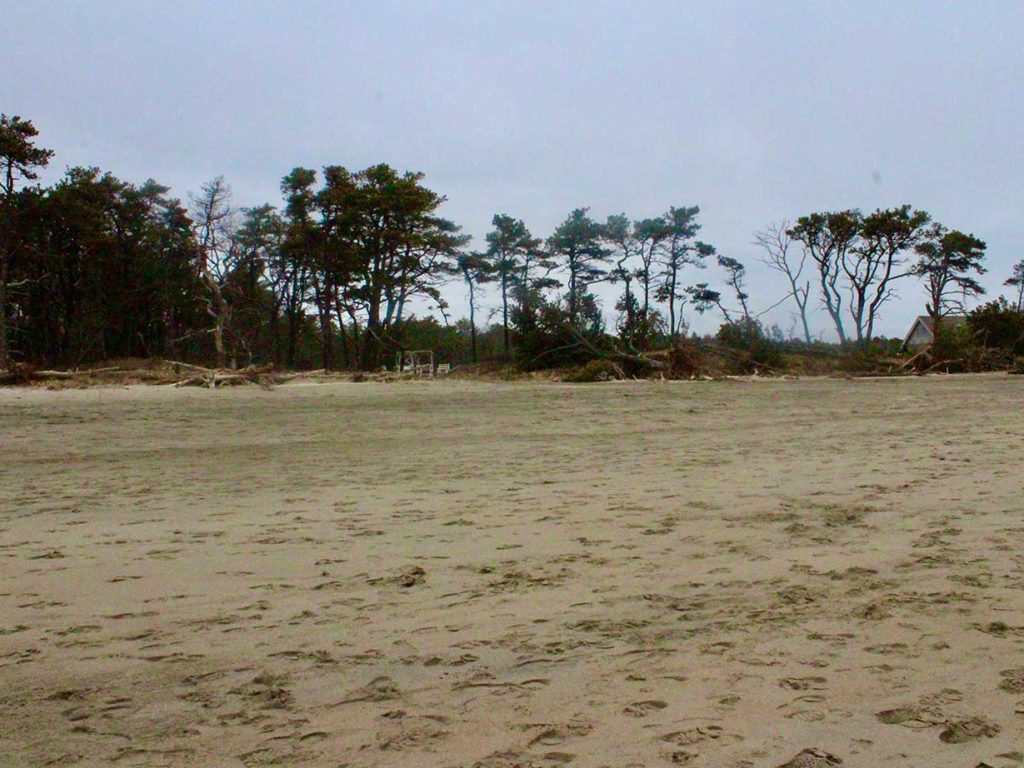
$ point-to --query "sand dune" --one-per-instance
(499, 575)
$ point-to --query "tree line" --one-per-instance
(94, 267)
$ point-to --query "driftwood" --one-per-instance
(940, 364)
(26, 374)
(213, 378)
(912, 362)
(44, 375)
(175, 373)
(177, 366)
(924, 362)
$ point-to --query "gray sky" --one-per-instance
(756, 111)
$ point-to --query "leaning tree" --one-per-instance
(679, 250)
(946, 261)
(1016, 280)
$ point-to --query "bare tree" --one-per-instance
(211, 219)
(777, 244)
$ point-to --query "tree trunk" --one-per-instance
(326, 347)
(472, 328)
(370, 357)
(572, 292)
(504, 316)
(672, 309)
(218, 341)
(803, 312)
(343, 333)
(4, 272)
(219, 309)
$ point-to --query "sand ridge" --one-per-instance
(501, 574)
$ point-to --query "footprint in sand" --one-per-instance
(692, 736)
(683, 758)
(379, 689)
(644, 708)
(911, 717)
(803, 683)
(812, 758)
(1013, 680)
(553, 737)
(971, 729)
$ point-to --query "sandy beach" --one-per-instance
(506, 575)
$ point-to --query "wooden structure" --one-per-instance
(922, 331)
(418, 362)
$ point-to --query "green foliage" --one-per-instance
(953, 341)
(547, 337)
(857, 257)
(94, 267)
(876, 356)
(578, 245)
(637, 329)
(748, 337)
(946, 261)
(450, 343)
(998, 327)
(511, 253)
(378, 244)
(1016, 281)
(107, 272)
(20, 158)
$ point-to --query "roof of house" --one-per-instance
(929, 324)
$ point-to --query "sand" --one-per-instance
(487, 574)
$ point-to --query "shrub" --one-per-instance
(876, 356)
(748, 337)
(684, 360)
(956, 342)
(545, 337)
(998, 327)
(595, 370)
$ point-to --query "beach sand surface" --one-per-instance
(458, 573)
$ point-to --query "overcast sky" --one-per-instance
(755, 111)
